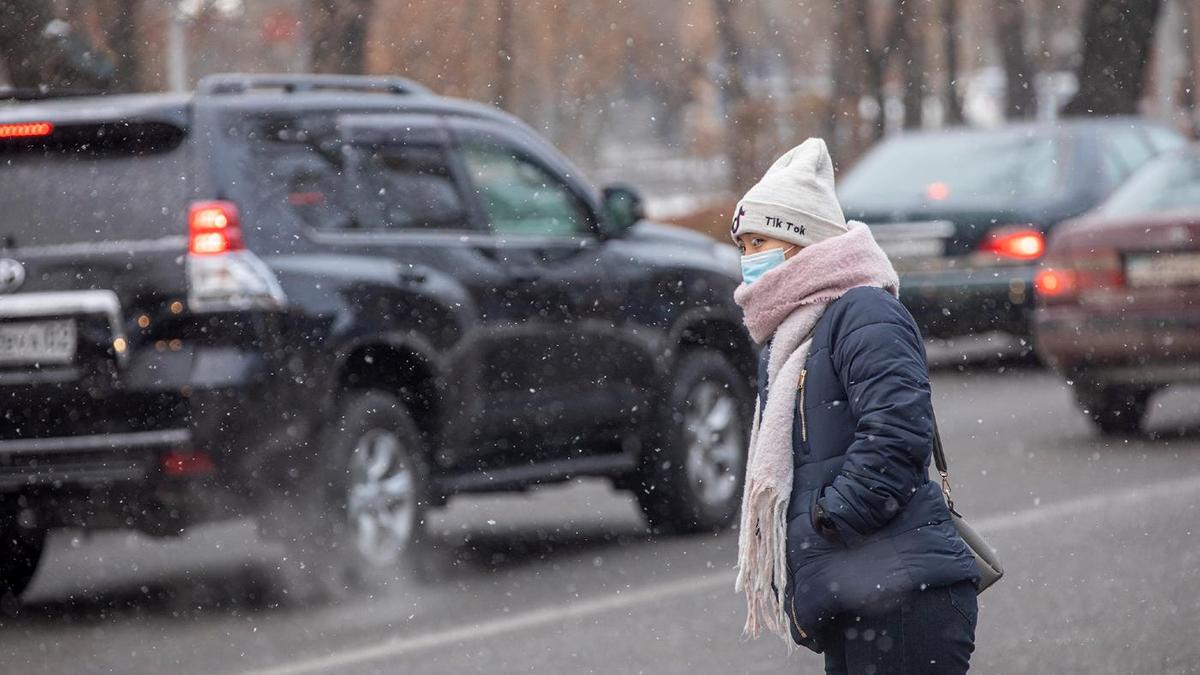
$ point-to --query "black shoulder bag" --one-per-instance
(990, 570)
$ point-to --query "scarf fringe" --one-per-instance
(764, 576)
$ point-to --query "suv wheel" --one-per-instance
(20, 551)
(362, 506)
(691, 478)
(1114, 409)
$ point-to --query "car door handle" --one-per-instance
(410, 276)
(525, 275)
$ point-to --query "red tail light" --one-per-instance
(213, 228)
(1016, 243)
(26, 130)
(1055, 283)
(1082, 273)
(183, 463)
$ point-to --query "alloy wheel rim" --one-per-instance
(381, 500)
(714, 443)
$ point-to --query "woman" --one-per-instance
(839, 513)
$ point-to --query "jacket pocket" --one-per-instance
(964, 600)
(807, 629)
(829, 427)
(804, 544)
(791, 607)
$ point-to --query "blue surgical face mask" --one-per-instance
(757, 264)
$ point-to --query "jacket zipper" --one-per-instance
(804, 436)
(803, 417)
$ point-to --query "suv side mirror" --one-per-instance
(623, 207)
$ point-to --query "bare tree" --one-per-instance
(847, 80)
(338, 34)
(22, 44)
(860, 60)
(119, 21)
(740, 139)
(875, 61)
(950, 99)
(1192, 79)
(1018, 73)
(877, 54)
(1117, 37)
(909, 47)
(40, 49)
(504, 54)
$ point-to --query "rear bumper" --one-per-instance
(112, 481)
(1150, 349)
(954, 303)
(93, 456)
(85, 461)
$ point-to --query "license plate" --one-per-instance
(1164, 269)
(913, 249)
(915, 255)
(914, 246)
(50, 342)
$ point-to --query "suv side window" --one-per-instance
(301, 183)
(314, 192)
(519, 196)
(402, 187)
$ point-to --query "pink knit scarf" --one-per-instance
(784, 306)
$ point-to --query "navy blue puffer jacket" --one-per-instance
(861, 449)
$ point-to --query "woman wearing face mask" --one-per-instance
(845, 543)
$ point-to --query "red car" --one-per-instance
(1119, 294)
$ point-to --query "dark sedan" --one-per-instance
(963, 213)
(1119, 295)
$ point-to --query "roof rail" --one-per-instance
(237, 83)
(37, 94)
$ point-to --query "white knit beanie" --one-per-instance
(794, 201)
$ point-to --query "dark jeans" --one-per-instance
(929, 632)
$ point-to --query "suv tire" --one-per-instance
(1114, 409)
(359, 514)
(690, 480)
(20, 552)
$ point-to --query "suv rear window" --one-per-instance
(95, 182)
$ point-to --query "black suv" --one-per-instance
(332, 302)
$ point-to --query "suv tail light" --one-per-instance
(214, 227)
(1014, 243)
(222, 274)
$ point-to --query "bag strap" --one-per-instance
(939, 460)
(939, 453)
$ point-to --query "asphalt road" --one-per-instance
(1101, 540)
